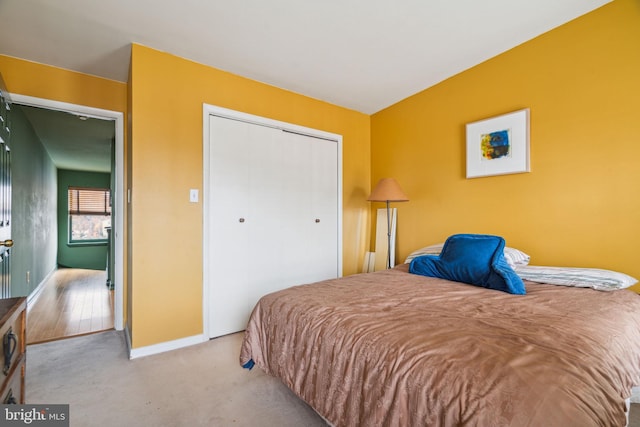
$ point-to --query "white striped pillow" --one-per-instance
(513, 256)
(601, 280)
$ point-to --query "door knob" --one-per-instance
(8, 243)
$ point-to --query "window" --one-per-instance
(89, 214)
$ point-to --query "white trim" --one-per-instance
(264, 121)
(162, 347)
(35, 294)
(208, 110)
(118, 118)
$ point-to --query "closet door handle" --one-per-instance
(241, 220)
(317, 220)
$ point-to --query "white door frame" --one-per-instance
(119, 196)
(208, 110)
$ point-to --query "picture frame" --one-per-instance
(498, 145)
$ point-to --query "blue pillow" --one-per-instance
(476, 259)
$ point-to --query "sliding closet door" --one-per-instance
(273, 216)
(228, 219)
(267, 213)
(311, 233)
(324, 254)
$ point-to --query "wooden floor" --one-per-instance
(73, 302)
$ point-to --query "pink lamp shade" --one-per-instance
(388, 190)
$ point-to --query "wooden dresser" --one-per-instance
(13, 319)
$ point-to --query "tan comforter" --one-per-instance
(396, 349)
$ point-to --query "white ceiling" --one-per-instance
(73, 142)
(364, 55)
(361, 54)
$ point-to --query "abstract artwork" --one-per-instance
(495, 144)
(499, 145)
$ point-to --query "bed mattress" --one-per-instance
(395, 349)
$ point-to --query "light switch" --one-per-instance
(193, 195)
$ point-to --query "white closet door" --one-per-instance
(263, 260)
(230, 175)
(310, 234)
(273, 216)
(295, 227)
(324, 203)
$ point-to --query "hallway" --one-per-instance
(73, 302)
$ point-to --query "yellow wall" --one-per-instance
(43, 81)
(580, 204)
(167, 94)
(165, 160)
(46, 82)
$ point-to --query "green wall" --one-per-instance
(39, 218)
(91, 256)
(33, 222)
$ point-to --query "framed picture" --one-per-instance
(499, 145)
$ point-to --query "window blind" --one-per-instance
(89, 201)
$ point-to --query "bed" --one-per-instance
(392, 348)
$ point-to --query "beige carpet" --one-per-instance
(202, 385)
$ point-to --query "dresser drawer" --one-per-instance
(12, 390)
(12, 334)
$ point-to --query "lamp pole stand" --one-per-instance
(388, 236)
(387, 190)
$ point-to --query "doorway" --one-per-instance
(118, 197)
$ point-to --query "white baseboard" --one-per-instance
(635, 394)
(35, 294)
(149, 350)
